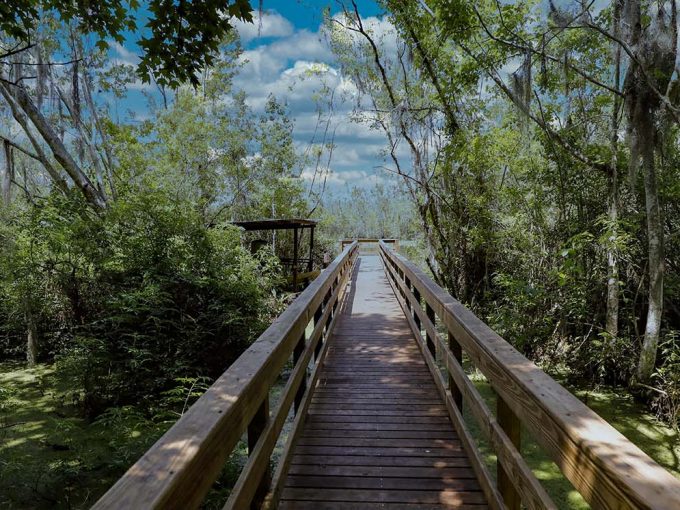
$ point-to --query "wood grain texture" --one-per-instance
(272, 499)
(378, 425)
(513, 429)
(607, 469)
(377, 434)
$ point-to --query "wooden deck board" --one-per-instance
(377, 434)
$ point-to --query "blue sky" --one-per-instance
(280, 49)
(308, 13)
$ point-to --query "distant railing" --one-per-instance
(369, 245)
(607, 469)
(179, 470)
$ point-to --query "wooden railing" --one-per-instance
(607, 469)
(371, 243)
(179, 470)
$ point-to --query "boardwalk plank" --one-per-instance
(452, 498)
(386, 461)
(350, 418)
(382, 471)
(378, 434)
(371, 482)
(353, 505)
(380, 427)
(404, 443)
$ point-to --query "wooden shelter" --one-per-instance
(297, 225)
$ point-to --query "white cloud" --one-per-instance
(347, 177)
(271, 24)
(299, 68)
(122, 55)
(304, 45)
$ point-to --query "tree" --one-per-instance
(487, 35)
(183, 39)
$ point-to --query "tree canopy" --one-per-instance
(178, 38)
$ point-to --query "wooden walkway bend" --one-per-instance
(370, 359)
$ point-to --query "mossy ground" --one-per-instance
(51, 457)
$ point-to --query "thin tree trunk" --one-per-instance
(102, 133)
(83, 140)
(656, 268)
(31, 337)
(653, 52)
(612, 320)
(8, 174)
(21, 119)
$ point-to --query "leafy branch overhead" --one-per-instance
(178, 38)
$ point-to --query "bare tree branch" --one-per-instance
(20, 148)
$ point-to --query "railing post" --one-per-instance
(401, 277)
(317, 317)
(512, 427)
(298, 351)
(416, 317)
(326, 300)
(457, 352)
(408, 301)
(255, 428)
(432, 347)
(336, 282)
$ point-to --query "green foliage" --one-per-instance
(377, 212)
(183, 37)
(666, 401)
(133, 299)
(105, 18)
(137, 306)
(52, 457)
(514, 195)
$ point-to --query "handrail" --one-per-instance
(179, 469)
(368, 240)
(606, 468)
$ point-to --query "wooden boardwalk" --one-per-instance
(377, 421)
(377, 435)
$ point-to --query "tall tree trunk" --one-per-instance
(656, 267)
(61, 154)
(83, 141)
(652, 71)
(98, 128)
(40, 154)
(612, 320)
(31, 337)
(8, 174)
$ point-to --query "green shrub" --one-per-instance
(132, 299)
(666, 399)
